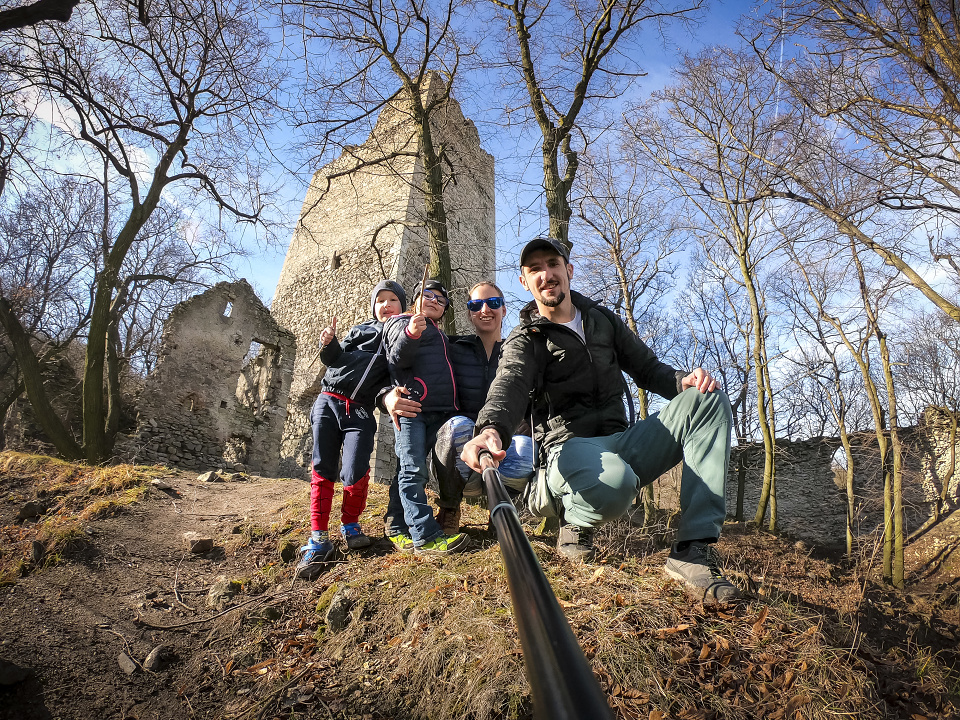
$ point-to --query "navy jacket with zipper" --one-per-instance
(581, 385)
(422, 365)
(473, 371)
(357, 368)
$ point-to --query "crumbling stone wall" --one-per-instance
(810, 495)
(218, 395)
(362, 221)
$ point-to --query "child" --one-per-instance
(342, 417)
(419, 361)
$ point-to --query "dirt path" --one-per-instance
(69, 624)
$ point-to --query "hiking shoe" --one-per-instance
(698, 568)
(401, 543)
(445, 544)
(576, 543)
(313, 557)
(449, 520)
(354, 536)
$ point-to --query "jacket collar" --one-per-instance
(530, 315)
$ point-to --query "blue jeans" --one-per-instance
(452, 473)
(414, 440)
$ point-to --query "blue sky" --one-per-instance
(520, 211)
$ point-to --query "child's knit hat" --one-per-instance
(393, 287)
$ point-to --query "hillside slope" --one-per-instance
(104, 576)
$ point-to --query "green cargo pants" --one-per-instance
(597, 479)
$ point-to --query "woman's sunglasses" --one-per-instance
(494, 303)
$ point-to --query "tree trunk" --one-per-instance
(896, 450)
(436, 213)
(97, 446)
(761, 377)
(32, 376)
(5, 404)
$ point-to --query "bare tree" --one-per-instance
(885, 75)
(410, 43)
(573, 56)
(176, 100)
(628, 249)
(929, 360)
(716, 314)
(858, 330)
(686, 129)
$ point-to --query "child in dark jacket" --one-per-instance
(342, 419)
(419, 360)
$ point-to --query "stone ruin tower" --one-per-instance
(362, 222)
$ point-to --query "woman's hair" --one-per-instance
(486, 282)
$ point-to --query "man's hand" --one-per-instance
(399, 406)
(328, 333)
(699, 379)
(489, 439)
(417, 324)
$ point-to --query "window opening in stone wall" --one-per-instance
(223, 404)
(228, 309)
(252, 353)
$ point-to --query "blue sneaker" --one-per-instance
(313, 555)
(354, 536)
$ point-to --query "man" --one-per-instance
(569, 351)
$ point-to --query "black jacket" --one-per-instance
(473, 371)
(422, 365)
(581, 385)
(357, 368)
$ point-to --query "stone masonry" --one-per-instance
(810, 493)
(218, 395)
(362, 222)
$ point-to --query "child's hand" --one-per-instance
(417, 324)
(328, 333)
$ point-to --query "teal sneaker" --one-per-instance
(401, 543)
(445, 545)
(314, 556)
(354, 537)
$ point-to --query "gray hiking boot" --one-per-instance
(698, 568)
(576, 543)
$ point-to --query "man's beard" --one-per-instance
(554, 302)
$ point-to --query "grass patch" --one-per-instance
(73, 494)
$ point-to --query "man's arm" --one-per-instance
(641, 363)
(509, 393)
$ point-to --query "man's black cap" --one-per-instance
(544, 243)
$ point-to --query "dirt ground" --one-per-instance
(131, 585)
(68, 624)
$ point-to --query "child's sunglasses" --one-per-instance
(494, 303)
